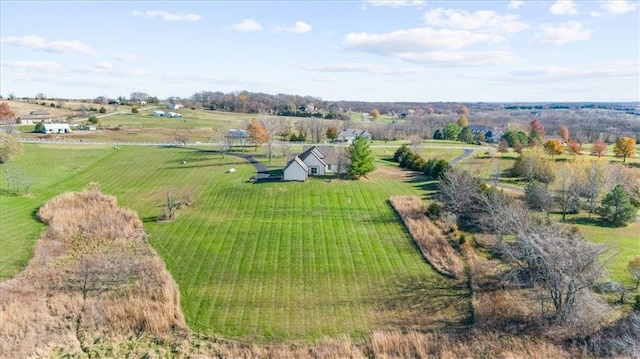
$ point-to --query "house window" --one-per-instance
(314, 170)
(329, 167)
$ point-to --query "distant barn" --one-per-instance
(56, 128)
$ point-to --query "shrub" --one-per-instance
(102, 110)
(636, 305)
(434, 210)
(93, 119)
(39, 127)
(133, 110)
(401, 152)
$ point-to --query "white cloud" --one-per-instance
(104, 65)
(126, 57)
(371, 69)
(300, 27)
(619, 6)
(247, 25)
(482, 20)
(432, 46)
(165, 15)
(416, 40)
(462, 58)
(610, 70)
(563, 7)
(564, 33)
(515, 4)
(394, 3)
(39, 43)
(48, 66)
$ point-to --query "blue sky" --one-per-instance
(403, 50)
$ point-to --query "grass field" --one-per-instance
(264, 262)
(256, 262)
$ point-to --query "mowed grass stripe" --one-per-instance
(275, 261)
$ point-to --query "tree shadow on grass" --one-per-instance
(427, 302)
(595, 222)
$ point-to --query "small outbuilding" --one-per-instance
(56, 128)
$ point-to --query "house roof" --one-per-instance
(351, 132)
(329, 153)
(478, 128)
(54, 126)
(233, 133)
(312, 151)
(297, 160)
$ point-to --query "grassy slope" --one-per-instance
(255, 262)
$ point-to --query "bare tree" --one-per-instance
(568, 190)
(174, 201)
(272, 126)
(556, 259)
(416, 143)
(318, 129)
(182, 136)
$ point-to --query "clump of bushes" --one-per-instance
(433, 168)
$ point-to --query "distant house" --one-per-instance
(158, 113)
(172, 115)
(314, 161)
(310, 107)
(34, 117)
(491, 135)
(56, 128)
(175, 106)
(350, 134)
(235, 137)
(237, 134)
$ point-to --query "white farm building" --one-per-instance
(56, 128)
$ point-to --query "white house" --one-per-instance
(175, 106)
(158, 113)
(296, 170)
(56, 128)
(350, 134)
(314, 161)
(172, 115)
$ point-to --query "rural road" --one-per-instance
(467, 153)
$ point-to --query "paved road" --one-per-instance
(261, 170)
(467, 153)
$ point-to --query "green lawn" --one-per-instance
(254, 262)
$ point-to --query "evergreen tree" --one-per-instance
(437, 135)
(361, 158)
(465, 135)
(616, 207)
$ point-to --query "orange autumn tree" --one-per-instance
(258, 134)
(553, 148)
(6, 115)
(598, 149)
(574, 148)
(625, 147)
(563, 132)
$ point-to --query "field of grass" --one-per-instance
(255, 262)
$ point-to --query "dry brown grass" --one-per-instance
(429, 237)
(93, 276)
